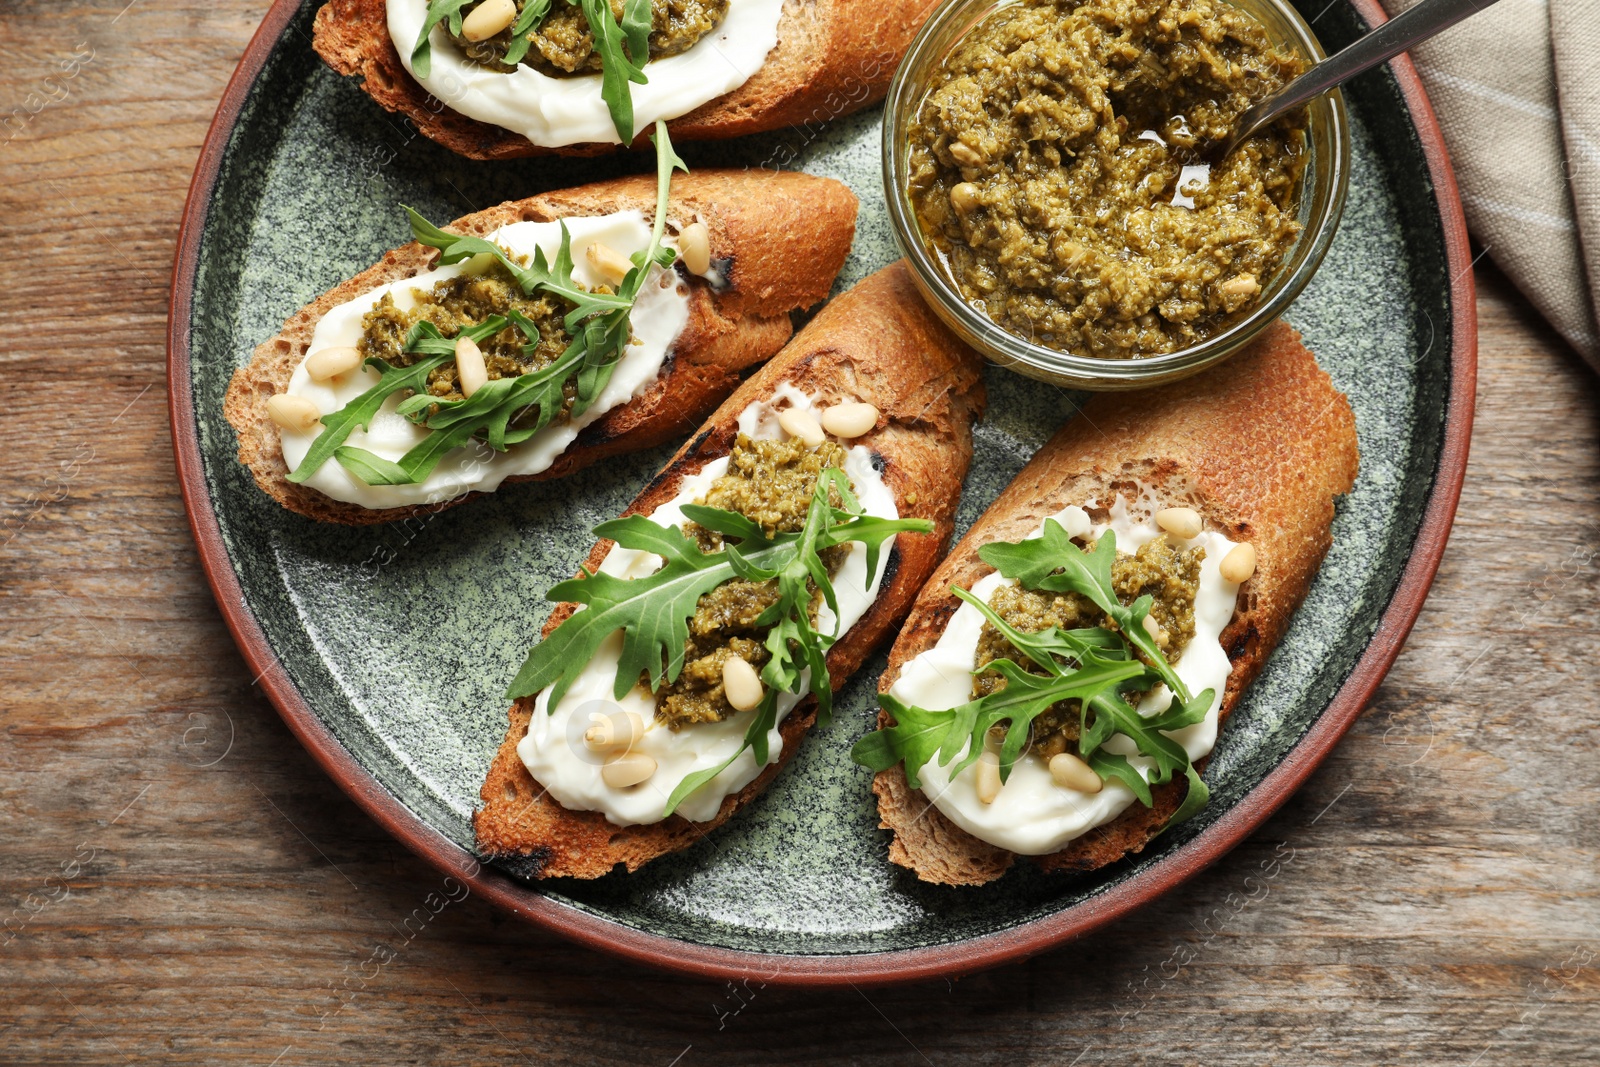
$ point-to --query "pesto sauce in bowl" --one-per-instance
(1055, 172)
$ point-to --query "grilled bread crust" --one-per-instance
(778, 240)
(1259, 446)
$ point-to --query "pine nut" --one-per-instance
(1070, 772)
(988, 777)
(964, 198)
(612, 265)
(629, 768)
(849, 421)
(694, 244)
(801, 424)
(1179, 522)
(471, 373)
(1241, 285)
(1157, 634)
(617, 729)
(294, 413)
(328, 363)
(488, 19)
(1239, 564)
(963, 154)
(741, 684)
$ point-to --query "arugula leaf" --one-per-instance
(359, 412)
(653, 612)
(1044, 646)
(623, 48)
(1193, 800)
(425, 338)
(617, 67)
(636, 21)
(1024, 698)
(554, 278)
(438, 11)
(755, 738)
(370, 467)
(1052, 563)
(1094, 666)
(532, 18)
(790, 618)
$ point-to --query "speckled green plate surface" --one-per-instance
(387, 648)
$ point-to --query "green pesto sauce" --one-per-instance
(1054, 171)
(770, 483)
(563, 44)
(1169, 575)
(467, 300)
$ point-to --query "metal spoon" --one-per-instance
(1383, 43)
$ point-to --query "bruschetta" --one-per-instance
(450, 368)
(496, 79)
(632, 739)
(1114, 603)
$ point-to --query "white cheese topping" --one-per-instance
(553, 112)
(659, 315)
(553, 749)
(1032, 815)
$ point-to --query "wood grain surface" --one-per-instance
(180, 884)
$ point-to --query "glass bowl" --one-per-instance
(1321, 201)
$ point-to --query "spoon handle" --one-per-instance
(1387, 41)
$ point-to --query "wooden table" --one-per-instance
(1434, 899)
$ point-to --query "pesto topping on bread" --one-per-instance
(464, 301)
(1169, 575)
(772, 484)
(563, 43)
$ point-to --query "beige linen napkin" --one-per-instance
(1517, 90)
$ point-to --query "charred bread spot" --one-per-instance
(936, 619)
(1244, 644)
(722, 271)
(524, 865)
(694, 445)
(891, 566)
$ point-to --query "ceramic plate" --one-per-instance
(386, 649)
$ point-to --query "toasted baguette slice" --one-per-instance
(832, 57)
(1259, 447)
(878, 343)
(778, 240)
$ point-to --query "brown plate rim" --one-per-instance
(874, 968)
